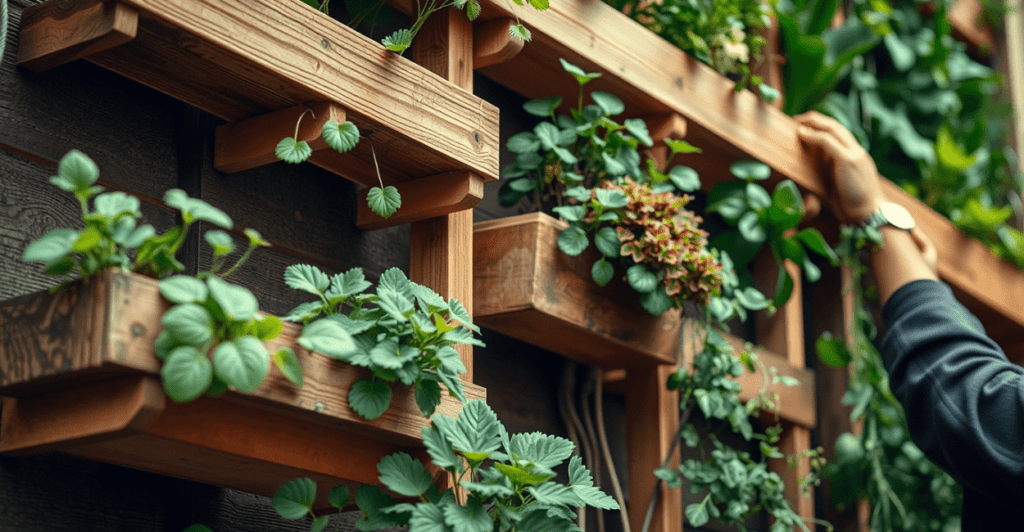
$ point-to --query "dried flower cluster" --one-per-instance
(657, 231)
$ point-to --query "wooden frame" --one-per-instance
(79, 375)
(246, 60)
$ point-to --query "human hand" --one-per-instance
(928, 251)
(856, 187)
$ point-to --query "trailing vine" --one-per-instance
(907, 492)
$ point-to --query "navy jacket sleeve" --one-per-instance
(963, 398)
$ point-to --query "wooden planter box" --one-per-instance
(525, 287)
(78, 375)
(241, 59)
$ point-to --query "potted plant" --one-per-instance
(87, 369)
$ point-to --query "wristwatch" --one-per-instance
(892, 214)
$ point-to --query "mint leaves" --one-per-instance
(402, 334)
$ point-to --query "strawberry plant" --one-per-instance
(404, 333)
(213, 335)
(501, 482)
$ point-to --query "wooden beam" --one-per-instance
(426, 197)
(441, 248)
(493, 44)
(965, 20)
(61, 32)
(652, 421)
(664, 126)
(252, 142)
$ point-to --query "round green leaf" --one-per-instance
(541, 107)
(189, 323)
(611, 199)
(295, 499)
(581, 77)
(319, 524)
(757, 197)
(113, 204)
(288, 363)
(242, 363)
(610, 104)
(573, 240)
(87, 240)
(607, 242)
(183, 289)
(220, 241)
(340, 137)
(186, 374)
(369, 399)
(832, 351)
(76, 172)
(237, 302)
(339, 496)
(428, 396)
(54, 245)
(684, 178)
(602, 272)
(523, 142)
(384, 201)
(267, 327)
(656, 302)
(750, 170)
(640, 279)
(291, 151)
(751, 229)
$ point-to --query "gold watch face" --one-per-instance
(897, 215)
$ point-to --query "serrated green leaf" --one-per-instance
(288, 363)
(294, 499)
(520, 32)
(613, 166)
(327, 337)
(183, 289)
(472, 9)
(348, 284)
(242, 363)
(340, 137)
(373, 502)
(522, 476)
(475, 432)
(573, 240)
(602, 271)
(384, 201)
(305, 311)
(439, 448)
(237, 302)
(186, 374)
(369, 399)
(403, 475)
(462, 336)
(306, 278)
(339, 497)
(640, 279)
(472, 517)
(554, 494)
(291, 151)
(428, 518)
(189, 323)
(459, 313)
(398, 41)
(428, 396)
(395, 304)
(543, 449)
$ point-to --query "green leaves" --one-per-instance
(306, 278)
(403, 475)
(76, 173)
(340, 137)
(520, 32)
(186, 374)
(369, 399)
(241, 363)
(293, 151)
(581, 77)
(573, 240)
(295, 499)
(384, 201)
(398, 41)
(328, 337)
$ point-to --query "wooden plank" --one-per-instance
(253, 142)
(423, 198)
(661, 127)
(236, 60)
(965, 20)
(74, 31)
(652, 421)
(107, 329)
(527, 288)
(493, 44)
(441, 248)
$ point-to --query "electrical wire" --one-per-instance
(588, 422)
(614, 477)
(573, 425)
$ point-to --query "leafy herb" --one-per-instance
(405, 333)
(515, 490)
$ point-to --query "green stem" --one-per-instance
(241, 260)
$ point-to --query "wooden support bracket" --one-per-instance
(493, 44)
(61, 32)
(424, 198)
(251, 143)
(661, 127)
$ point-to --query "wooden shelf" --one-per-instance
(238, 60)
(525, 287)
(79, 375)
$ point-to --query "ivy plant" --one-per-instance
(404, 333)
(761, 218)
(735, 483)
(727, 35)
(212, 336)
(906, 491)
(501, 482)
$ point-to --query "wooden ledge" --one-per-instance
(425, 198)
(59, 32)
(493, 44)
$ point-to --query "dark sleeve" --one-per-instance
(963, 398)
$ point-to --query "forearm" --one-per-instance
(898, 262)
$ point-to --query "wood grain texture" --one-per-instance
(106, 328)
(527, 288)
(426, 197)
(237, 60)
(71, 32)
(652, 422)
(440, 249)
(492, 43)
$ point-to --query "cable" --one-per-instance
(588, 422)
(599, 415)
(572, 423)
